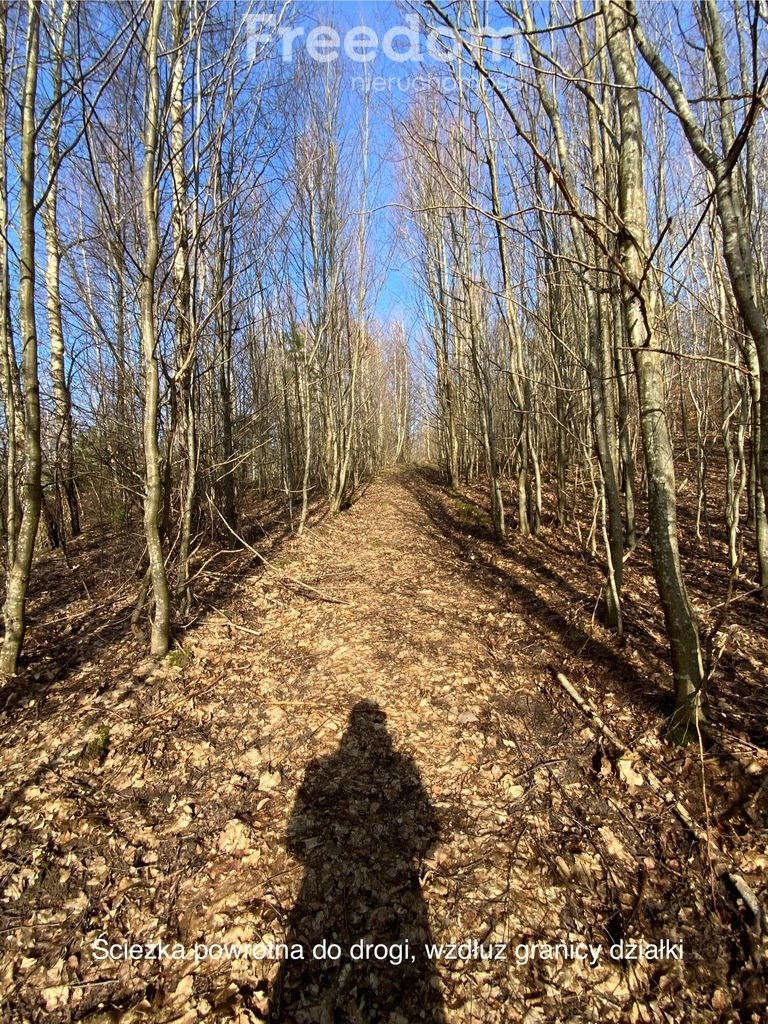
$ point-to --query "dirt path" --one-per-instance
(380, 757)
(408, 638)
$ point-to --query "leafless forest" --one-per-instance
(384, 474)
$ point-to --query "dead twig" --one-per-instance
(235, 625)
(733, 881)
(283, 577)
(655, 783)
(750, 900)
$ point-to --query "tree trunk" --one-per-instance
(14, 611)
(63, 453)
(186, 340)
(153, 501)
(682, 628)
(731, 209)
(7, 349)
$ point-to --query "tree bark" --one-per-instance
(731, 209)
(63, 457)
(7, 348)
(186, 340)
(637, 295)
(153, 500)
(14, 611)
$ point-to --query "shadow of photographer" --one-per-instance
(361, 823)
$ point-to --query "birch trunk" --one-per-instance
(63, 457)
(7, 349)
(153, 500)
(14, 611)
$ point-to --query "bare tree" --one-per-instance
(635, 251)
(718, 146)
(63, 469)
(153, 501)
(14, 611)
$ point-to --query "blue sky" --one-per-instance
(393, 275)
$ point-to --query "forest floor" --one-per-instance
(366, 739)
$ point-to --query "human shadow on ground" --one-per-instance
(361, 824)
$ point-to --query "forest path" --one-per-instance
(410, 635)
(406, 634)
(363, 739)
(454, 650)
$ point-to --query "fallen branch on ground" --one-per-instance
(655, 783)
(715, 854)
(235, 625)
(283, 577)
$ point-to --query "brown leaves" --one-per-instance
(628, 773)
(178, 833)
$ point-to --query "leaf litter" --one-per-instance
(175, 804)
